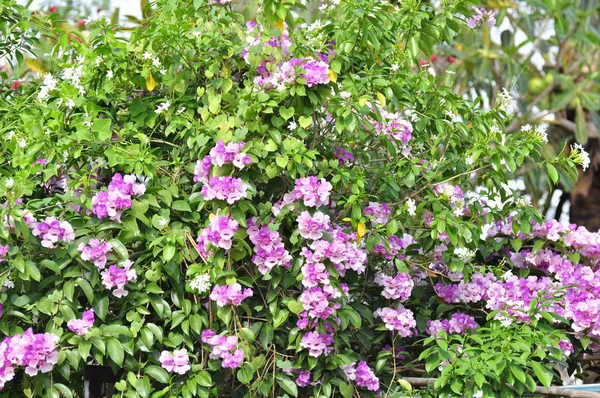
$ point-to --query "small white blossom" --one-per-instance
(505, 102)
(147, 55)
(9, 284)
(580, 156)
(109, 74)
(469, 160)
(162, 222)
(156, 62)
(526, 128)
(10, 135)
(478, 394)
(292, 126)
(411, 207)
(9, 183)
(180, 111)
(540, 133)
(160, 108)
(22, 143)
(70, 103)
(394, 67)
(163, 71)
(523, 201)
(464, 254)
(201, 283)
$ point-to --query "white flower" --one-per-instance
(478, 394)
(201, 283)
(156, 62)
(162, 222)
(22, 143)
(505, 102)
(469, 160)
(344, 95)
(394, 67)
(540, 133)
(9, 284)
(10, 135)
(147, 55)
(109, 74)
(9, 183)
(180, 111)
(411, 207)
(526, 128)
(580, 156)
(70, 103)
(162, 107)
(292, 126)
(80, 59)
(464, 254)
(163, 71)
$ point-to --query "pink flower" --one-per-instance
(52, 231)
(177, 362)
(229, 294)
(219, 233)
(311, 227)
(118, 277)
(81, 326)
(95, 250)
(312, 191)
(226, 188)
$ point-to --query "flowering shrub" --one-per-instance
(289, 209)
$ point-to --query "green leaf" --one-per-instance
(552, 173)
(542, 374)
(347, 390)
(305, 121)
(286, 113)
(115, 351)
(245, 374)
(581, 130)
(119, 248)
(289, 386)
(168, 252)
(204, 379)
(157, 373)
(102, 128)
(295, 306)
(181, 205)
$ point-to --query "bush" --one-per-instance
(231, 208)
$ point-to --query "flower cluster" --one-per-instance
(312, 191)
(343, 156)
(312, 72)
(580, 156)
(222, 154)
(396, 245)
(362, 374)
(225, 348)
(81, 326)
(380, 211)
(177, 362)
(229, 189)
(229, 294)
(3, 252)
(399, 287)
(51, 231)
(312, 227)
(201, 283)
(303, 379)
(317, 343)
(117, 198)
(118, 277)
(402, 320)
(269, 250)
(458, 323)
(95, 250)
(36, 352)
(482, 16)
(219, 233)
(392, 125)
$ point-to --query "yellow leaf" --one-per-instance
(34, 65)
(150, 83)
(211, 215)
(279, 25)
(363, 101)
(332, 76)
(347, 219)
(381, 99)
(360, 232)
(405, 384)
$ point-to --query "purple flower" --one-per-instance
(317, 343)
(225, 188)
(342, 155)
(3, 252)
(399, 287)
(111, 203)
(303, 378)
(41, 161)
(95, 250)
(118, 277)
(402, 320)
(312, 191)
(81, 326)
(362, 374)
(52, 231)
(219, 233)
(381, 212)
(269, 250)
(229, 294)
(222, 154)
(177, 362)
(482, 16)
(311, 227)
(225, 348)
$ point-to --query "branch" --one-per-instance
(553, 391)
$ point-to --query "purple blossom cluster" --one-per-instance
(36, 352)
(117, 198)
(317, 343)
(225, 348)
(472, 291)
(343, 156)
(392, 125)
(401, 320)
(81, 326)
(396, 246)
(219, 233)
(52, 231)
(229, 189)
(312, 191)
(453, 193)
(342, 251)
(380, 211)
(303, 379)
(458, 323)
(312, 227)
(312, 71)
(178, 361)
(482, 16)
(362, 374)
(396, 288)
(3, 252)
(96, 251)
(118, 276)
(254, 40)
(229, 294)
(269, 251)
